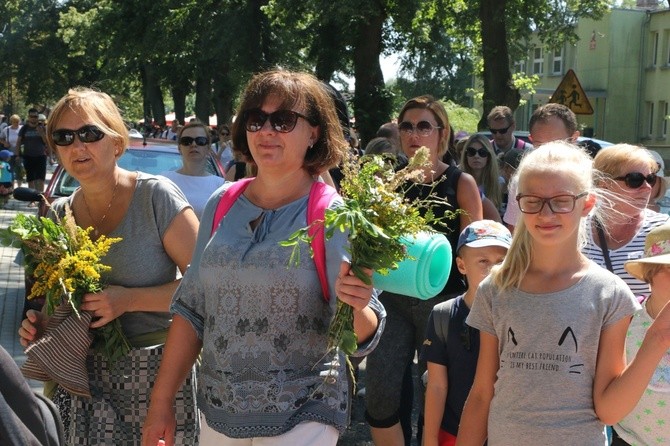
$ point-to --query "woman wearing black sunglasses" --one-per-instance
(423, 121)
(479, 160)
(158, 230)
(193, 178)
(261, 323)
(629, 174)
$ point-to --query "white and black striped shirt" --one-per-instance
(632, 250)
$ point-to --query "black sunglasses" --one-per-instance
(634, 180)
(188, 140)
(423, 128)
(282, 121)
(471, 151)
(501, 131)
(86, 134)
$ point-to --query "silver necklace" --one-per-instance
(98, 224)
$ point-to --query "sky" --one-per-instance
(390, 66)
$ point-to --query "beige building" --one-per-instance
(622, 63)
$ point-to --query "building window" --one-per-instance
(650, 119)
(538, 61)
(666, 39)
(557, 65)
(664, 119)
(520, 66)
(654, 49)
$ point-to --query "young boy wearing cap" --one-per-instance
(451, 347)
(649, 422)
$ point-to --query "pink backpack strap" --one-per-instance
(227, 200)
(320, 196)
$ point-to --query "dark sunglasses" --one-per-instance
(86, 134)
(471, 151)
(634, 180)
(282, 121)
(188, 140)
(501, 131)
(423, 128)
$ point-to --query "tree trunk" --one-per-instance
(372, 102)
(179, 98)
(203, 96)
(224, 89)
(153, 95)
(498, 87)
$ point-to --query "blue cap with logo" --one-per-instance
(484, 233)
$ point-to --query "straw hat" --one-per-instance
(656, 251)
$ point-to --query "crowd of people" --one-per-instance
(553, 326)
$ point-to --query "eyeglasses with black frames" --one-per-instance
(635, 180)
(86, 134)
(559, 204)
(282, 121)
(472, 151)
(422, 128)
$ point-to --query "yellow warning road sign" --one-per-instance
(571, 94)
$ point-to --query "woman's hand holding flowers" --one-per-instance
(106, 305)
(32, 327)
(352, 290)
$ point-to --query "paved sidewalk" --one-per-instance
(12, 287)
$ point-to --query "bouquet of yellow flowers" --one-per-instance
(65, 264)
(378, 219)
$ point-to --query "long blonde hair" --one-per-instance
(555, 158)
(489, 181)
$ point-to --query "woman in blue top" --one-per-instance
(263, 326)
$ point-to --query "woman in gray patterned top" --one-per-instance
(262, 325)
(158, 229)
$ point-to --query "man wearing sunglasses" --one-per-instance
(502, 125)
(549, 122)
(32, 138)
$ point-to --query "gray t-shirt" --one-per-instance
(139, 259)
(548, 347)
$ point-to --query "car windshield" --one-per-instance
(149, 161)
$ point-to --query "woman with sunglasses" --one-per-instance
(158, 231)
(423, 121)
(192, 178)
(628, 174)
(262, 324)
(479, 160)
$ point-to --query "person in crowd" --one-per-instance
(223, 147)
(379, 146)
(6, 178)
(647, 422)
(390, 130)
(479, 160)
(158, 230)
(8, 138)
(553, 323)
(193, 178)
(502, 124)
(628, 173)
(172, 131)
(549, 122)
(510, 162)
(32, 138)
(451, 347)
(661, 187)
(263, 327)
(26, 418)
(423, 121)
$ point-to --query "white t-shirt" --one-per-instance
(197, 189)
(8, 133)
